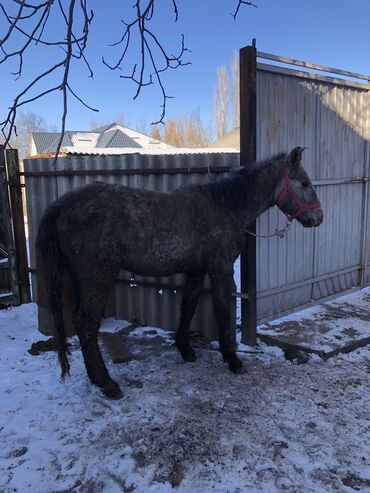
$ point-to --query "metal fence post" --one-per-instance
(9, 243)
(365, 234)
(365, 244)
(248, 144)
(16, 205)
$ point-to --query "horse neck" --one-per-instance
(260, 183)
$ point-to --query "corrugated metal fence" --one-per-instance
(154, 301)
(331, 117)
(328, 115)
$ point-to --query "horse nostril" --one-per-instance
(318, 219)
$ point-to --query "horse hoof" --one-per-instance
(237, 369)
(112, 391)
(235, 364)
(188, 354)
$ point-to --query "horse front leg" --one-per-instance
(221, 293)
(189, 302)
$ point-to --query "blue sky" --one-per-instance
(328, 32)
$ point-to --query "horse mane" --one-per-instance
(233, 189)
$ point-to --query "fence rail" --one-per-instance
(309, 65)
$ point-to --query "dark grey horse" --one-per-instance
(92, 232)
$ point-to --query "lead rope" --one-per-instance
(278, 232)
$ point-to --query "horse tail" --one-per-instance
(47, 244)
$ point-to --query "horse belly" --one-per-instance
(161, 259)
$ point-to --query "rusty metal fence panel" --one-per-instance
(146, 300)
(5, 271)
(331, 118)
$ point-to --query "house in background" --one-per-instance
(113, 138)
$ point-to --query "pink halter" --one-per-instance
(301, 207)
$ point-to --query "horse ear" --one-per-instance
(295, 156)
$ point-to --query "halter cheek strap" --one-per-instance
(300, 206)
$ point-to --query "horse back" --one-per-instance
(147, 232)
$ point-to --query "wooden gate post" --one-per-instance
(16, 205)
(8, 229)
(248, 144)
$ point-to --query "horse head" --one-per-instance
(295, 195)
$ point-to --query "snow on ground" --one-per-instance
(327, 327)
(279, 427)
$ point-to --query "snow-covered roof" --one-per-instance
(102, 140)
(156, 151)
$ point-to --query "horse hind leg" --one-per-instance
(189, 302)
(87, 326)
(87, 318)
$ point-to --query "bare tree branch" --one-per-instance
(153, 56)
(64, 84)
(41, 23)
(240, 3)
(73, 46)
(12, 24)
(7, 126)
(28, 24)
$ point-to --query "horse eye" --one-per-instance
(305, 184)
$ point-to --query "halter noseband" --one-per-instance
(301, 207)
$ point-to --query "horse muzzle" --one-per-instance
(311, 218)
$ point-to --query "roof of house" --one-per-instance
(112, 136)
(175, 151)
(47, 141)
(116, 138)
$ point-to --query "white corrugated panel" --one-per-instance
(332, 122)
(143, 304)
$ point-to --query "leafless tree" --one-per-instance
(155, 133)
(225, 93)
(142, 126)
(221, 102)
(198, 135)
(186, 131)
(235, 90)
(26, 123)
(26, 24)
(170, 133)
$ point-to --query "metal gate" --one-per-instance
(14, 279)
(330, 115)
